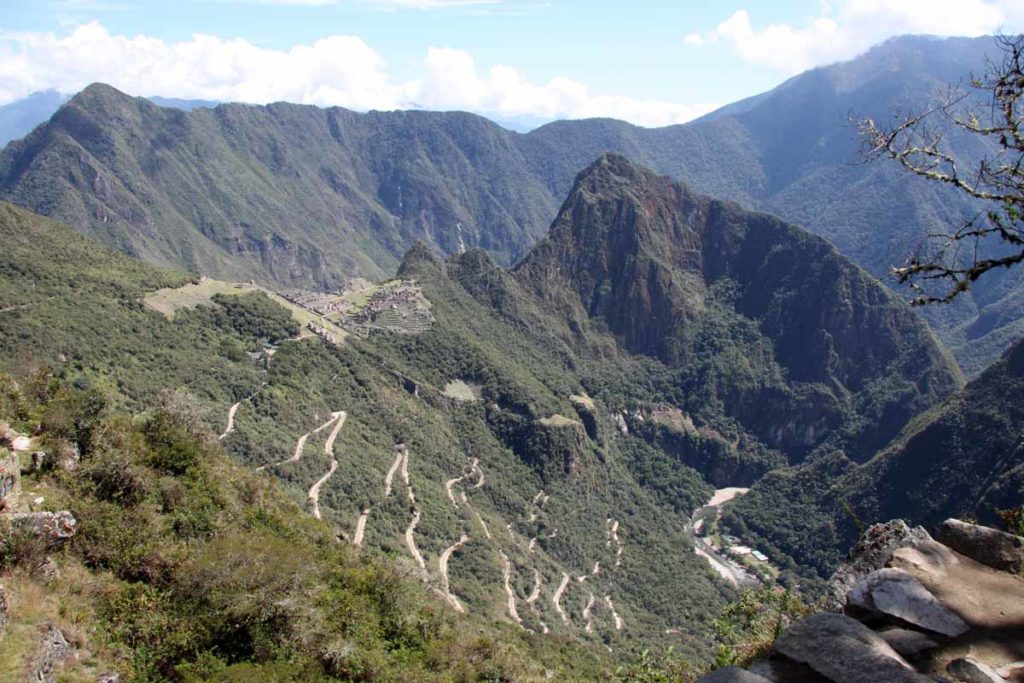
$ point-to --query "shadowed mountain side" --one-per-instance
(759, 317)
(963, 458)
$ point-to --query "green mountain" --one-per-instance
(757, 317)
(285, 194)
(532, 453)
(961, 459)
(294, 195)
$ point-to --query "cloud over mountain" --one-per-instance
(340, 70)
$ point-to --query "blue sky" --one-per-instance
(650, 62)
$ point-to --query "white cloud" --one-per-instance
(847, 28)
(451, 81)
(336, 70)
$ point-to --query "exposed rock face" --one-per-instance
(970, 670)
(665, 269)
(897, 594)
(57, 527)
(844, 650)
(908, 642)
(991, 547)
(53, 649)
(872, 552)
(940, 616)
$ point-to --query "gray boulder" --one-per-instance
(991, 547)
(970, 670)
(732, 674)
(908, 642)
(843, 650)
(873, 551)
(897, 594)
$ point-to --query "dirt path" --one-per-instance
(612, 536)
(611, 608)
(301, 444)
(231, 420)
(556, 599)
(314, 490)
(234, 409)
(532, 599)
(357, 537)
(391, 474)
(410, 542)
(509, 593)
(588, 618)
(474, 468)
(410, 531)
(442, 566)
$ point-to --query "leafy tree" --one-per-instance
(995, 238)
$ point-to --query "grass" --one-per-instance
(557, 420)
(171, 299)
(461, 391)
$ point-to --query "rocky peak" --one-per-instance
(682, 277)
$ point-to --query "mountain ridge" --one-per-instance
(307, 178)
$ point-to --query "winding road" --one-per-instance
(509, 593)
(556, 599)
(442, 566)
(314, 490)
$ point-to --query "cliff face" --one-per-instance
(791, 338)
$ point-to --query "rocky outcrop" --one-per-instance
(896, 594)
(10, 486)
(56, 527)
(53, 650)
(991, 547)
(916, 610)
(872, 552)
(844, 650)
(733, 674)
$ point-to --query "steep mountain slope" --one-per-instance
(296, 195)
(793, 152)
(531, 456)
(758, 317)
(964, 458)
(286, 194)
(514, 470)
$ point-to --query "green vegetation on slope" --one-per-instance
(962, 459)
(187, 567)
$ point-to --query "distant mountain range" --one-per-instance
(18, 118)
(291, 194)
